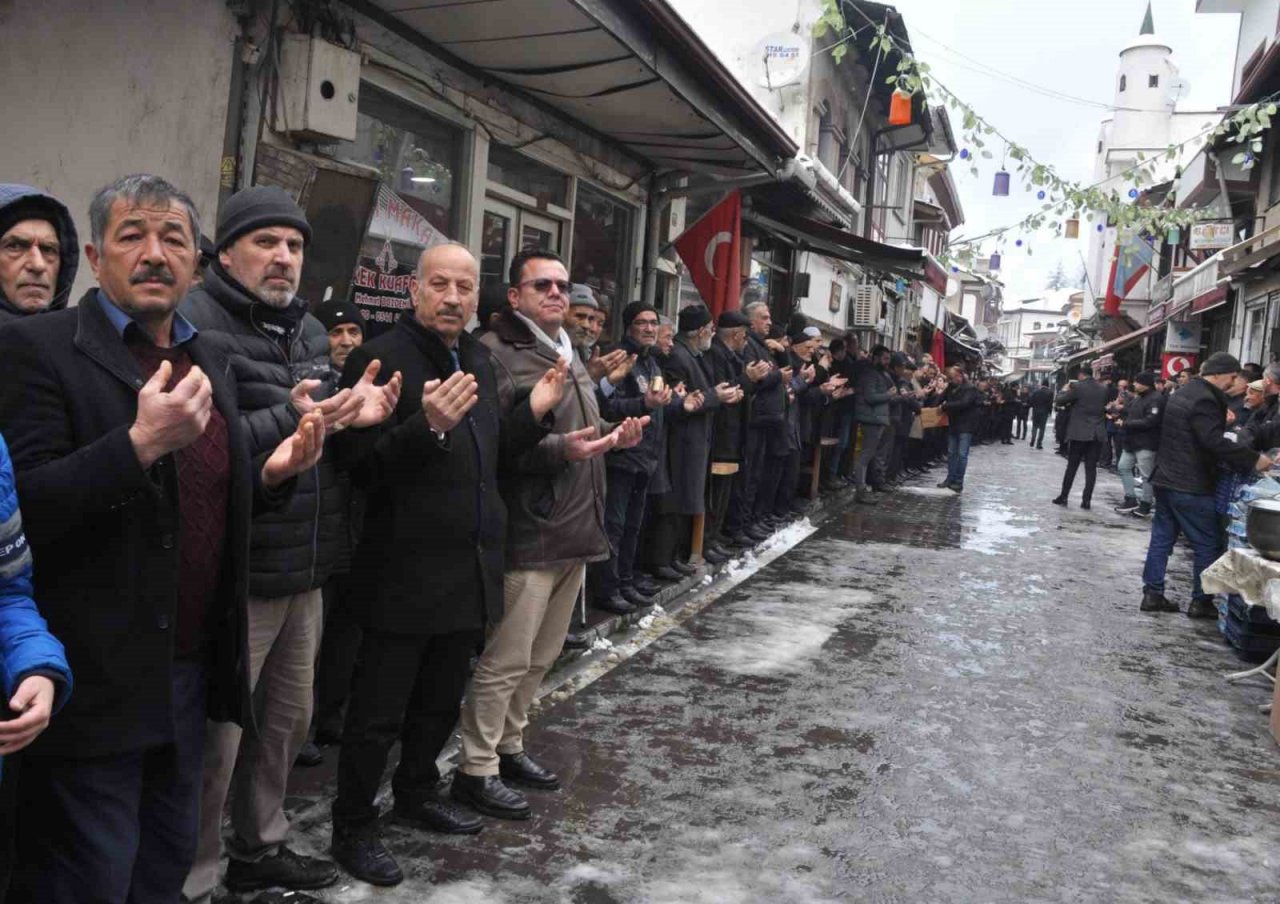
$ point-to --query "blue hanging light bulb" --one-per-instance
(1040, 195)
(1133, 193)
(1018, 243)
(964, 153)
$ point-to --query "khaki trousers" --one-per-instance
(539, 607)
(284, 635)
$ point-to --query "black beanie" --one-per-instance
(29, 208)
(731, 320)
(694, 317)
(256, 207)
(332, 313)
(634, 310)
(1145, 378)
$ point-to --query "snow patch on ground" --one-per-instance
(936, 492)
(784, 634)
(994, 527)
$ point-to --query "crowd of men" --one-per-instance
(1179, 447)
(244, 530)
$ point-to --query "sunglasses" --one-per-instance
(544, 285)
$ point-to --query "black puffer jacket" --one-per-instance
(962, 403)
(293, 550)
(1142, 422)
(1191, 440)
(627, 400)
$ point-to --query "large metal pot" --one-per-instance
(1263, 527)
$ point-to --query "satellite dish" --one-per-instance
(781, 59)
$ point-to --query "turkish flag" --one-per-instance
(712, 250)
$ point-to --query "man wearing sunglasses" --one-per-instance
(555, 496)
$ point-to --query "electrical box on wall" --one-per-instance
(318, 90)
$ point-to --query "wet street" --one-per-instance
(940, 699)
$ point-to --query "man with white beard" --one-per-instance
(248, 309)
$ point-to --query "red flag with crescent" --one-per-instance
(712, 250)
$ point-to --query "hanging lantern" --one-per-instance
(1001, 187)
(900, 109)
(994, 263)
(406, 179)
(1071, 229)
(1175, 235)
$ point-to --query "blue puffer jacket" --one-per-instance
(12, 194)
(26, 646)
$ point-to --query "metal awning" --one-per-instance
(813, 235)
(630, 71)
(1116, 344)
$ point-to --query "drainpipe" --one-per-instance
(237, 99)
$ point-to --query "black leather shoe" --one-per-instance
(309, 756)
(646, 586)
(1059, 500)
(615, 604)
(635, 597)
(668, 574)
(717, 546)
(436, 817)
(758, 533)
(522, 770)
(714, 556)
(1085, 505)
(488, 795)
(285, 868)
(684, 568)
(742, 541)
(1156, 602)
(1201, 608)
(361, 853)
(945, 485)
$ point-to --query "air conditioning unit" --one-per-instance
(864, 307)
(319, 90)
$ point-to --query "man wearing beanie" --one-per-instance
(1192, 445)
(1086, 431)
(728, 432)
(248, 309)
(1141, 425)
(613, 585)
(688, 445)
(344, 323)
(39, 252)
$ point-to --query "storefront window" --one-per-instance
(418, 157)
(515, 170)
(601, 249)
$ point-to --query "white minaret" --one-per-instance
(1147, 87)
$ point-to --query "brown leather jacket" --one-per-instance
(555, 507)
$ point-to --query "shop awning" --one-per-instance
(1115, 344)
(630, 71)
(831, 241)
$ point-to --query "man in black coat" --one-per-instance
(431, 557)
(728, 432)
(1192, 446)
(766, 421)
(642, 390)
(1086, 400)
(137, 489)
(1141, 425)
(248, 307)
(1041, 404)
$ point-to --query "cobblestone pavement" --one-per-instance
(939, 699)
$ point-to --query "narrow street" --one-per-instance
(942, 699)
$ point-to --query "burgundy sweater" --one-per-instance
(204, 480)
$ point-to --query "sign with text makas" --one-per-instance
(383, 282)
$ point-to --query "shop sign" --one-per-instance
(783, 58)
(1207, 236)
(382, 285)
(1172, 364)
(1182, 336)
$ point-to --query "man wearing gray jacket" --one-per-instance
(871, 411)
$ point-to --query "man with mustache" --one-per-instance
(137, 489)
(38, 252)
(248, 309)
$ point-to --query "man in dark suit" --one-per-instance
(1041, 404)
(137, 490)
(1086, 402)
(431, 556)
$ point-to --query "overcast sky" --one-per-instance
(1069, 47)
